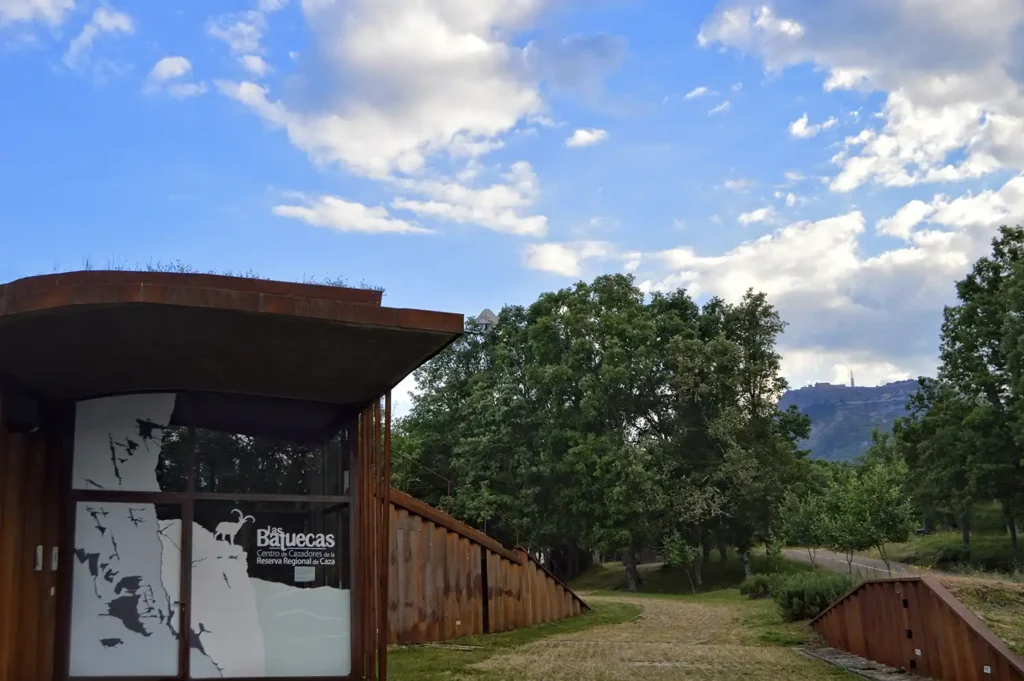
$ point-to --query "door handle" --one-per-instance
(181, 618)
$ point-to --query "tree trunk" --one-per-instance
(1011, 525)
(965, 527)
(632, 575)
(849, 560)
(597, 557)
(698, 573)
(768, 555)
(810, 554)
(745, 558)
(885, 558)
(723, 552)
(705, 546)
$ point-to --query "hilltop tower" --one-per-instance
(852, 384)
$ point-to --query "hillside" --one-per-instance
(842, 417)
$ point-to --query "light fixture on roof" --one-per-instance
(487, 320)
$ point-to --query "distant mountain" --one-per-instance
(842, 417)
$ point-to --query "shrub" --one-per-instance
(758, 586)
(805, 595)
(950, 555)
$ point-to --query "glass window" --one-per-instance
(270, 589)
(240, 464)
(128, 443)
(243, 445)
(126, 571)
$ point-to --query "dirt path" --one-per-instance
(873, 568)
(674, 639)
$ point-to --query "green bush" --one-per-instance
(952, 555)
(805, 595)
(758, 586)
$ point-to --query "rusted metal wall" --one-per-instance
(439, 587)
(915, 623)
(29, 520)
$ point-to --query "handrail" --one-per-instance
(555, 579)
(413, 505)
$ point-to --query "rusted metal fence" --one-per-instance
(447, 580)
(915, 623)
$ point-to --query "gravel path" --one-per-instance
(674, 639)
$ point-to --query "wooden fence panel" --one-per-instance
(435, 580)
(916, 624)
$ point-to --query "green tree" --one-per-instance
(981, 362)
(804, 522)
(941, 454)
(879, 500)
(844, 532)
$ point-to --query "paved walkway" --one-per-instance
(873, 568)
(675, 639)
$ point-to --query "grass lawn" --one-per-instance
(658, 579)
(663, 633)
(990, 552)
(421, 663)
(999, 604)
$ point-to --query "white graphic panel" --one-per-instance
(305, 631)
(117, 441)
(124, 621)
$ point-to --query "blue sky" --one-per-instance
(465, 154)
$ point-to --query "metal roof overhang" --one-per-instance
(87, 334)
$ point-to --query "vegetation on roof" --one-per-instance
(179, 267)
(998, 603)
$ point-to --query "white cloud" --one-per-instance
(104, 20)
(721, 108)
(52, 12)
(395, 91)
(766, 214)
(586, 138)
(413, 80)
(566, 259)
(696, 92)
(739, 184)
(806, 366)
(802, 130)
(745, 27)
(346, 216)
(793, 176)
(502, 207)
(255, 64)
(736, 87)
(789, 198)
(170, 67)
(906, 218)
(952, 74)
(970, 211)
(877, 314)
(243, 31)
(185, 90)
(845, 79)
(166, 75)
(271, 5)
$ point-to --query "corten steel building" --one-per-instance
(193, 475)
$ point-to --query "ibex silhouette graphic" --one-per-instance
(228, 530)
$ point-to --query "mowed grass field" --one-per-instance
(665, 633)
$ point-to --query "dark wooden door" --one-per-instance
(30, 470)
